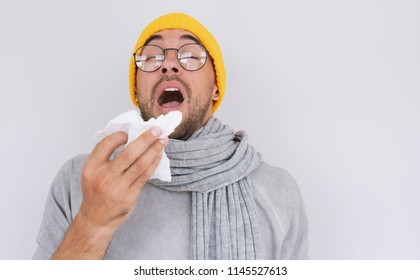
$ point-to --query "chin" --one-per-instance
(183, 131)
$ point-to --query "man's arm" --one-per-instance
(110, 190)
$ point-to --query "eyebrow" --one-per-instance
(183, 37)
(153, 37)
(190, 37)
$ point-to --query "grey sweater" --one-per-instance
(160, 225)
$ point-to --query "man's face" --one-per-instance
(171, 87)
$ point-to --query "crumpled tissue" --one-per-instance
(131, 123)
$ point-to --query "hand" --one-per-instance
(110, 191)
(111, 187)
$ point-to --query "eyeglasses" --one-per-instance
(191, 57)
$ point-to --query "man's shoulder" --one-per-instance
(275, 183)
(79, 159)
(70, 173)
(271, 174)
(281, 212)
(74, 164)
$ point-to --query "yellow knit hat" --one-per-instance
(182, 21)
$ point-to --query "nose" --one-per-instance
(170, 64)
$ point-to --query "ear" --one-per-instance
(215, 95)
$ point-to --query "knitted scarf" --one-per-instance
(214, 164)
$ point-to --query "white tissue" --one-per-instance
(131, 123)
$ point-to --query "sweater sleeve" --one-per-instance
(295, 245)
(281, 212)
(62, 204)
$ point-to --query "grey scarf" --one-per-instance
(214, 164)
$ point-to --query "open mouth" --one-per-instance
(170, 97)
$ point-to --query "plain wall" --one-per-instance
(328, 90)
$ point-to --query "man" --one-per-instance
(223, 202)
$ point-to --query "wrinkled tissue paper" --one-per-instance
(131, 123)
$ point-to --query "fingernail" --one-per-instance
(164, 140)
(156, 131)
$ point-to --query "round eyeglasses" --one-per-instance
(191, 57)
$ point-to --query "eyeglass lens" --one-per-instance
(191, 57)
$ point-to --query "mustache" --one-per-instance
(167, 78)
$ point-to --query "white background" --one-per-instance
(328, 90)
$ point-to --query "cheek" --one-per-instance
(144, 83)
(140, 85)
(199, 88)
(206, 82)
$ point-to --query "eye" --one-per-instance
(149, 58)
(184, 57)
(159, 57)
(149, 53)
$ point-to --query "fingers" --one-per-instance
(144, 165)
(137, 185)
(137, 148)
(104, 149)
(136, 162)
(111, 187)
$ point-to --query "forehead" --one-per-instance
(172, 36)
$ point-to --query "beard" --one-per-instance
(191, 122)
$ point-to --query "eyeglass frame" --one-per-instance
(177, 58)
